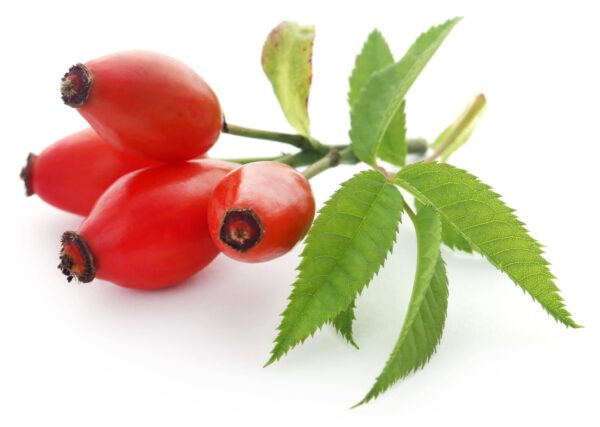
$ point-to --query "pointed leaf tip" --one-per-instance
(374, 57)
(343, 324)
(348, 243)
(269, 362)
(426, 315)
(383, 94)
(480, 217)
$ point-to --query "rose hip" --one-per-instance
(149, 229)
(73, 172)
(260, 211)
(146, 103)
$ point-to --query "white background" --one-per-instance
(100, 355)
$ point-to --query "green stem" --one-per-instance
(246, 160)
(416, 146)
(410, 212)
(302, 158)
(319, 157)
(298, 141)
(330, 160)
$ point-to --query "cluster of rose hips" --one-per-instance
(157, 211)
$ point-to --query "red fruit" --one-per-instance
(149, 229)
(73, 172)
(260, 211)
(146, 103)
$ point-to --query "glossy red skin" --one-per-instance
(149, 229)
(72, 173)
(280, 197)
(153, 105)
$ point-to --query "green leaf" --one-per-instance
(459, 132)
(383, 94)
(393, 145)
(424, 321)
(450, 237)
(375, 56)
(343, 323)
(454, 240)
(482, 219)
(287, 62)
(345, 247)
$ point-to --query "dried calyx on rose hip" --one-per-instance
(72, 173)
(149, 229)
(260, 211)
(76, 260)
(146, 103)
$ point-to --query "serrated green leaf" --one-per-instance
(344, 249)
(393, 145)
(483, 220)
(287, 62)
(383, 94)
(458, 133)
(454, 240)
(343, 323)
(424, 321)
(375, 56)
(450, 237)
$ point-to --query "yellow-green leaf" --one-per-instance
(459, 132)
(287, 62)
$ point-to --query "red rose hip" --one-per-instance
(146, 103)
(260, 211)
(149, 229)
(73, 172)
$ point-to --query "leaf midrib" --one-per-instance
(419, 195)
(424, 199)
(430, 276)
(284, 75)
(398, 99)
(328, 274)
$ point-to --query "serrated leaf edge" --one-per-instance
(433, 267)
(569, 322)
(386, 182)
